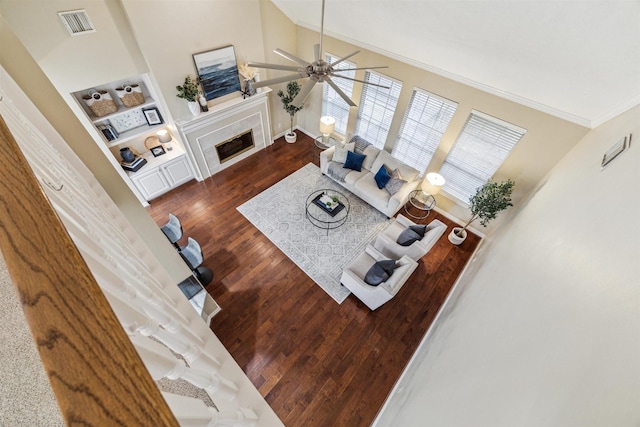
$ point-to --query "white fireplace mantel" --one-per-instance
(224, 121)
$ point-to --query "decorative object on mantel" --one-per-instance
(293, 88)
(317, 71)
(203, 102)
(489, 199)
(217, 72)
(189, 91)
(249, 75)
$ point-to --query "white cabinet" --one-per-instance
(177, 171)
(151, 183)
(162, 174)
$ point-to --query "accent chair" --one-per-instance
(374, 296)
(387, 240)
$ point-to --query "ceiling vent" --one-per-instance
(77, 22)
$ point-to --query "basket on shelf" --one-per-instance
(100, 102)
(130, 95)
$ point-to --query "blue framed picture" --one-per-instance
(218, 72)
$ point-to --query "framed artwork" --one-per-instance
(157, 151)
(218, 72)
(152, 115)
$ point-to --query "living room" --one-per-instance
(548, 139)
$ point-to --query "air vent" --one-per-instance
(77, 22)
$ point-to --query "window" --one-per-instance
(332, 104)
(482, 146)
(423, 125)
(377, 106)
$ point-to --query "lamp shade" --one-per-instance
(327, 125)
(163, 136)
(433, 183)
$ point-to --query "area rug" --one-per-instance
(279, 213)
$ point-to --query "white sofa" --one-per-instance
(363, 184)
(386, 242)
(374, 296)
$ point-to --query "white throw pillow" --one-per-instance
(340, 155)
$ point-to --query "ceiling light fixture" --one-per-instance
(318, 71)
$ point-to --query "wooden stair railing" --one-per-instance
(96, 374)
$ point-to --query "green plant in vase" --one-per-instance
(489, 200)
(293, 88)
(189, 91)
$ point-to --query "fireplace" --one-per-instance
(228, 133)
(235, 146)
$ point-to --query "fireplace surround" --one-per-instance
(223, 124)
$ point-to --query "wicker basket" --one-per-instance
(100, 102)
(130, 95)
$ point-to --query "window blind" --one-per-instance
(425, 121)
(332, 104)
(482, 146)
(377, 106)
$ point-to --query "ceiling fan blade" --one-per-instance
(360, 68)
(333, 64)
(304, 92)
(293, 58)
(273, 66)
(316, 52)
(362, 81)
(282, 79)
(341, 93)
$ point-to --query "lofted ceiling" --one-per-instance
(579, 60)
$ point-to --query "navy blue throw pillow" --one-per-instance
(382, 177)
(354, 161)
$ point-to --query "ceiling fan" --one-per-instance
(318, 71)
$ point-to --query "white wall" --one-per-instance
(544, 327)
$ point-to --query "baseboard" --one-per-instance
(458, 221)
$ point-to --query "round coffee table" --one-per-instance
(327, 218)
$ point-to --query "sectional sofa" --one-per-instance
(365, 181)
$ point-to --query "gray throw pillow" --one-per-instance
(407, 237)
(395, 183)
(421, 229)
(340, 155)
(379, 272)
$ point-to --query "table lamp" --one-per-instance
(432, 183)
(327, 125)
(165, 138)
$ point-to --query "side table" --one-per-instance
(421, 201)
(319, 146)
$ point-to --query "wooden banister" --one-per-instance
(95, 372)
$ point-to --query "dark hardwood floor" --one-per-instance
(317, 363)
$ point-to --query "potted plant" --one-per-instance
(293, 88)
(489, 200)
(189, 91)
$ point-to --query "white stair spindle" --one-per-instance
(137, 322)
(161, 363)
